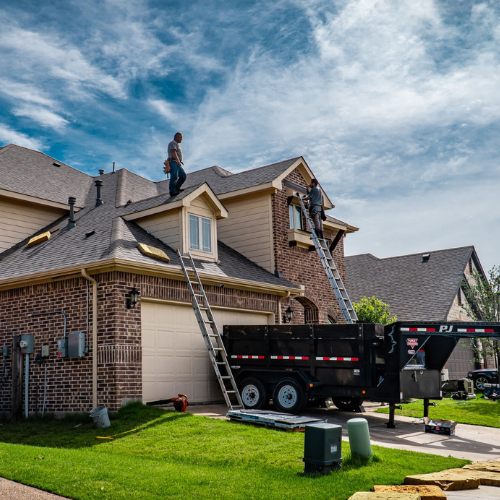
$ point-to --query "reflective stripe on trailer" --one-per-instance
(303, 358)
(475, 330)
(251, 356)
(322, 358)
(407, 329)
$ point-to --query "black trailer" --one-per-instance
(349, 363)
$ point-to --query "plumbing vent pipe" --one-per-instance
(114, 165)
(98, 201)
(71, 221)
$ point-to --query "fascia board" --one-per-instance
(271, 187)
(32, 199)
(305, 169)
(152, 211)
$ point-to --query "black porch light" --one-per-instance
(287, 317)
(133, 298)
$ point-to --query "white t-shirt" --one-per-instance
(174, 145)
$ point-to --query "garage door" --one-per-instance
(174, 356)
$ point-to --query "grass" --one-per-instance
(477, 411)
(157, 454)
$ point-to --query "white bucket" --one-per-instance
(100, 417)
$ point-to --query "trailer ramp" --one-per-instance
(331, 270)
(213, 339)
(285, 421)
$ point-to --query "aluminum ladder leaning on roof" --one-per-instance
(212, 337)
(330, 269)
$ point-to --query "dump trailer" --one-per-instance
(349, 363)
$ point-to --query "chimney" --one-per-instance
(101, 171)
(98, 201)
(71, 221)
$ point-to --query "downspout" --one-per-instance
(94, 336)
(280, 318)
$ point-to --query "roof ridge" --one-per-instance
(428, 251)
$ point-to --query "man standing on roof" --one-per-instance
(177, 174)
(315, 198)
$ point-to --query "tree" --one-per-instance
(373, 310)
(483, 304)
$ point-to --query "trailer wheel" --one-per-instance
(289, 397)
(253, 394)
(347, 404)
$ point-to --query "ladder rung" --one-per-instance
(217, 348)
(230, 392)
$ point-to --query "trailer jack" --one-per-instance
(392, 409)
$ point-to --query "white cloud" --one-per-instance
(44, 54)
(164, 108)
(25, 92)
(42, 115)
(8, 135)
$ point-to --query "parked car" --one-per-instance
(484, 376)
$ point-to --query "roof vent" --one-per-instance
(71, 221)
(56, 164)
(426, 257)
(101, 171)
(89, 233)
(98, 201)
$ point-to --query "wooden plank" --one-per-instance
(16, 409)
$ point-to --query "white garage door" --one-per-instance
(174, 356)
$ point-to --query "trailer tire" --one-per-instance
(347, 403)
(289, 396)
(253, 394)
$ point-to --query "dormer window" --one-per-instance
(200, 233)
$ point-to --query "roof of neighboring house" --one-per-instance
(414, 289)
(116, 238)
(31, 173)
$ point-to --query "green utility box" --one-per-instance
(322, 448)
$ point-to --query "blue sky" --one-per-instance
(395, 105)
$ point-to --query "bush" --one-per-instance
(373, 310)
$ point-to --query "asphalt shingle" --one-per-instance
(414, 289)
(32, 173)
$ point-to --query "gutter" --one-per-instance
(94, 336)
(140, 268)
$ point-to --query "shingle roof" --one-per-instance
(222, 181)
(415, 290)
(116, 238)
(32, 173)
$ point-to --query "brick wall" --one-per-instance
(69, 386)
(302, 267)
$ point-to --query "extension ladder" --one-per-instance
(330, 269)
(212, 337)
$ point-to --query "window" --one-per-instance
(295, 214)
(200, 233)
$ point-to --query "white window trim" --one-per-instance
(297, 214)
(200, 233)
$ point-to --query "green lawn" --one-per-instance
(159, 454)
(473, 411)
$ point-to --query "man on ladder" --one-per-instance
(315, 199)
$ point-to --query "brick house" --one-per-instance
(424, 286)
(244, 230)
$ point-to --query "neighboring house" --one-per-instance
(244, 230)
(420, 287)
